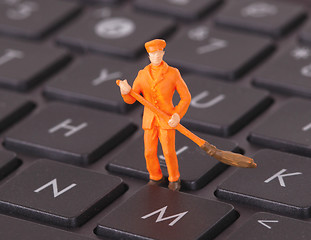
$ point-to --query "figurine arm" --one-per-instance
(184, 94)
(136, 88)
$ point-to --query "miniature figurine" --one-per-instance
(157, 83)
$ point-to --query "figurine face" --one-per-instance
(156, 57)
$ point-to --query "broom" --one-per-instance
(227, 157)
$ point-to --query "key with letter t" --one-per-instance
(24, 64)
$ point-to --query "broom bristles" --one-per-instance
(234, 159)
(230, 158)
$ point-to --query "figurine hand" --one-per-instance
(125, 88)
(174, 121)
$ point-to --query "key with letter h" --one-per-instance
(69, 133)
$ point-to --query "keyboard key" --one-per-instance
(91, 81)
(12, 108)
(196, 167)
(287, 129)
(208, 49)
(17, 229)
(8, 163)
(305, 34)
(289, 72)
(159, 213)
(58, 194)
(99, 1)
(33, 19)
(120, 33)
(24, 64)
(68, 133)
(184, 9)
(273, 18)
(279, 184)
(221, 108)
(264, 226)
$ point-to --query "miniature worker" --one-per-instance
(157, 82)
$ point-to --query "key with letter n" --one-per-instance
(48, 191)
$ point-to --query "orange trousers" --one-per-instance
(167, 139)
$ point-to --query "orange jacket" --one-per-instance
(160, 93)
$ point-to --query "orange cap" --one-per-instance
(155, 45)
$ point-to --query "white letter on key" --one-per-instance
(280, 177)
(9, 55)
(161, 212)
(56, 193)
(72, 129)
(195, 101)
(105, 76)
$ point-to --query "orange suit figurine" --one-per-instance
(157, 82)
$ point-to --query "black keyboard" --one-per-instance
(72, 161)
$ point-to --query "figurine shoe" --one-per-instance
(174, 186)
(156, 182)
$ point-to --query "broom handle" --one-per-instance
(164, 116)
